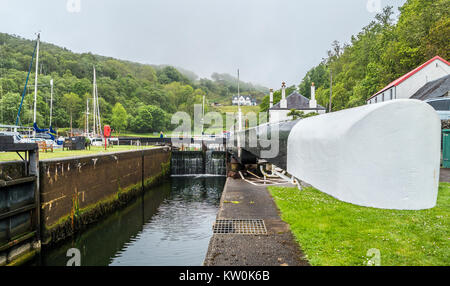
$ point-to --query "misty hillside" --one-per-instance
(145, 94)
(384, 50)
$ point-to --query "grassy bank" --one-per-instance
(234, 109)
(59, 153)
(145, 135)
(331, 232)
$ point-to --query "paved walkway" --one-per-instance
(444, 175)
(276, 248)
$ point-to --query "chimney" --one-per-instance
(283, 102)
(312, 101)
(271, 98)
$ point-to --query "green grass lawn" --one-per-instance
(59, 153)
(331, 232)
(146, 135)
(234, 108)
(245, 111)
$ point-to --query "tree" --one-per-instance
(319, 75)
(132, 84)
(296, 114)
(9, 105)
(119, 117)
(381, 52)
(437, 42)
(170, 74)
(143, 120)
(72, 103)
(160, 118)
(150, 118)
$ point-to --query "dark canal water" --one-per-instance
(169, 225)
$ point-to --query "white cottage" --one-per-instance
(279, 111)
(407, 85)
(243, 100)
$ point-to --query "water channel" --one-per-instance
(171, 224)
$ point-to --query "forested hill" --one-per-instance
(384, 50)
(133, 96)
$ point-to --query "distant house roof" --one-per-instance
(436, 88)
(245, 97)
(296, 101)
(408, 75)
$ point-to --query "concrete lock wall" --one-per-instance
(384, 155)
(18, 222)
(77, 191)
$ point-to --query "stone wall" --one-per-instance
(80, 190)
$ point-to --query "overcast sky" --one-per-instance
(270, 41)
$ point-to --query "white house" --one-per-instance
(279, 111)
(243, 100)
(439, 88)
(408, 84)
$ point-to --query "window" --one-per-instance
(440, 105)
(391, 91)
(376, 99)
(382, 97)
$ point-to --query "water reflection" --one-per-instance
(169, 225)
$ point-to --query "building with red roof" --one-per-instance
(408, 84)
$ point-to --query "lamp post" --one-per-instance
(239, 118)
(239, 105)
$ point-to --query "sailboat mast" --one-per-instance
(51, 101)
(87, 116)
(99, 124)
(36, 77)
(94, 102)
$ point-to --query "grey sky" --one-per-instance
(270, 41)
